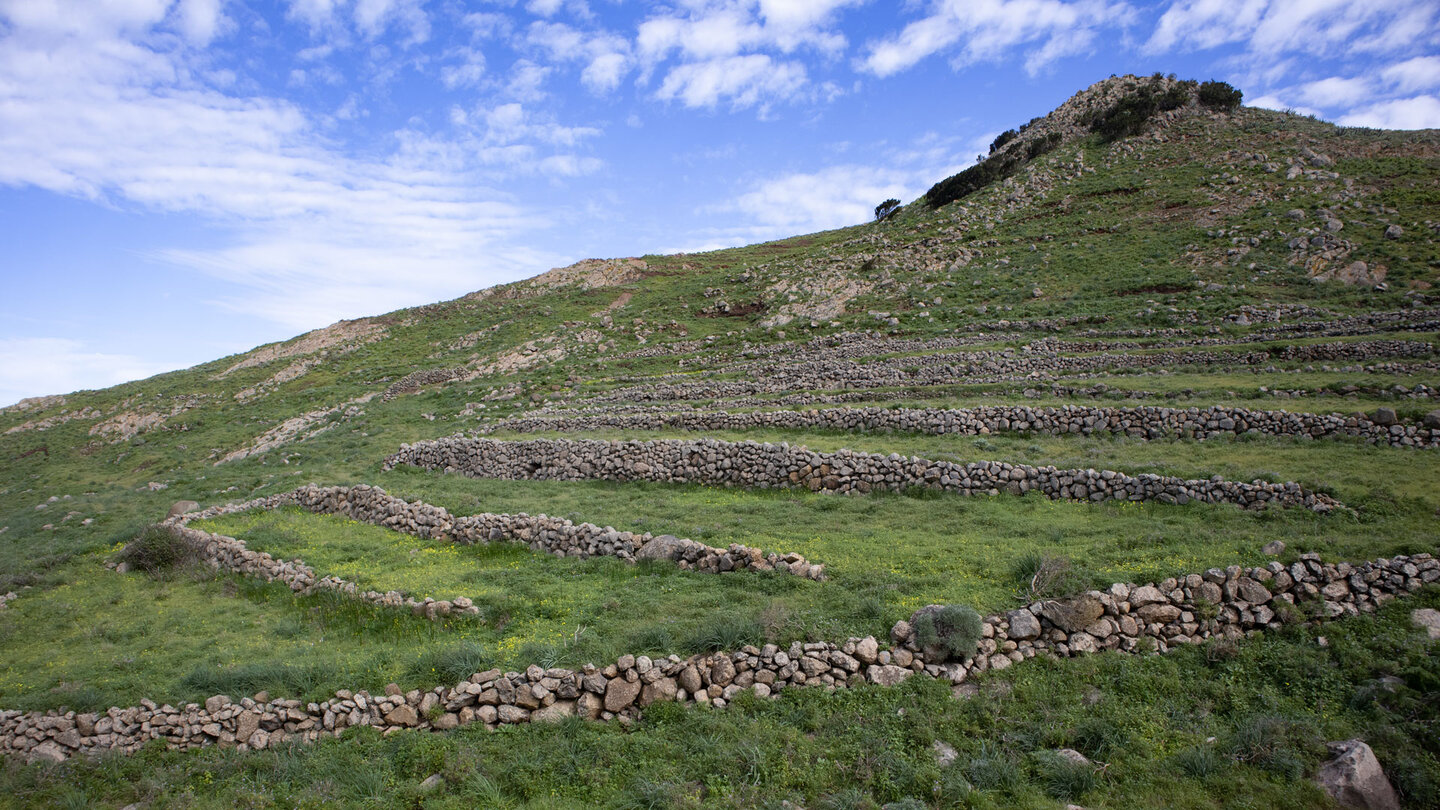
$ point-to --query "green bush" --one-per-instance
(1198, 763)
(726, 633)
(157, 550)
(1002, 139)
(1062, 778)
(954, 629)
(1220, 95)
(886, 209)
(994, 771)
(451, 664)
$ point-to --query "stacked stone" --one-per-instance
(541, 533)
(1229, 603)
(419, 379)
(821, 373)
(1142, 422)
(1154, 617)
(767, 466)
(230, 554)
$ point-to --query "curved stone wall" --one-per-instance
(541, 533)
(770, 466)
(1126, 618)
(1144, 422)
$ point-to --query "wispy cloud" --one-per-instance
(738, 51)
(991, 30)
(114, 110)
(31, 367)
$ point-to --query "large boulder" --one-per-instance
(1354, 779)
(661, 547)
(180, 508)
(1074, 615)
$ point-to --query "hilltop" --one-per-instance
(1151, 336)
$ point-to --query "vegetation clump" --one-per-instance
(955, 630)
(1219, 96)
(157, 550)
(1129, 115)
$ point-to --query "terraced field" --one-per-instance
(1079, 489)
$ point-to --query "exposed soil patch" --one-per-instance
(347, 334)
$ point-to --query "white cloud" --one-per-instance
(199, 20)
(467, 73)
(312, 234)
(840, 195)
(991, 30)
(709, 38)
(1316, 27)
(606, 57)
(1274, 102)
(31, 367)
(1335, 92)
(830, 198)
(1420, 73)
(1420, 112)
(744, 80)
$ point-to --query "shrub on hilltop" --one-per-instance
(1220, 96)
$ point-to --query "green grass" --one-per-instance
(1268, 707)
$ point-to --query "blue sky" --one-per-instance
(186, 179)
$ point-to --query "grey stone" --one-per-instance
(1394, 232)
(1023, 624)
(554, 713)
(945, 754)
(1428, 619)
(867, 650)
(180, 508)
(1076, 614)
(1274, 548)
(1353, 778)
(887, 675)
(47, 751)
(661, 547)
(402, 715)
(1383, 416)
(432, 782)
(216, 703)
(620, 693)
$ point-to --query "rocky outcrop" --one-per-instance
(1155, 617)
(778, 466)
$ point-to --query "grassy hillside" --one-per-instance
(1201, 261)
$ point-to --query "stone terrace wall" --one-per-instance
(752, 464)
(1144, 422)
(551, 535)
(1127, 618)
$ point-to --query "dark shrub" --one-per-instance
(157, 550)
(1220, 95)
(886, 209)
(1002, 139)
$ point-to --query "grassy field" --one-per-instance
(1224, 726)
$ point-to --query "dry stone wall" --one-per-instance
(541, 533)
(1144, 422)
(1154, 617)
(770, 466)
